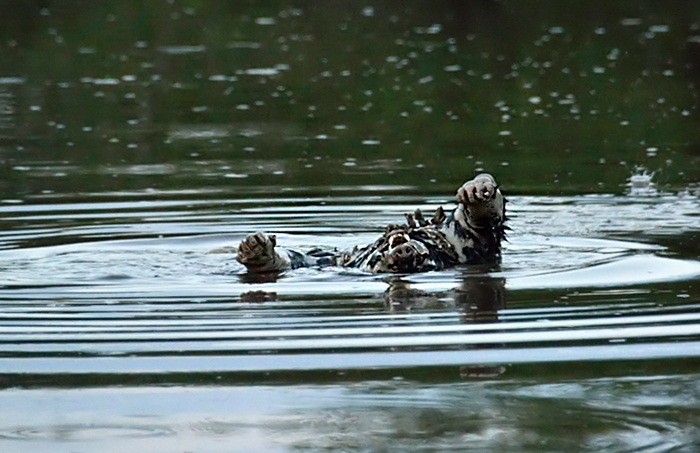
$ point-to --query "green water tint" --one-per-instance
(552, 98)
(136, 137)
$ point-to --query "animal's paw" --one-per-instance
(481, 188)
(257, 251)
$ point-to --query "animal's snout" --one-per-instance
(404, 250)
(403, 258)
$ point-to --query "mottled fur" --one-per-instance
(471, 234)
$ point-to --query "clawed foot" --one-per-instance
(257, 251)
(482, 188)
(483, 203)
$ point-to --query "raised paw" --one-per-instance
(257, 250)
(481, 188)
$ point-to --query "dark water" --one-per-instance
(137, 138)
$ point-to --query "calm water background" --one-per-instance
(136, 137)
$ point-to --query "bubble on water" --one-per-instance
(425, 80)
(535, 100)
(431, 30)
(243, 45)
(630, 21)
(504, 133)
(12, 80)
(249, 132)
(502, 106)
(181, 50)
(599, 31)
(652, 151)
(260, 71)
(236, 175)
(265, 21)
(557, 30)
(368, 11)
(222, 78)
(371, 142)
(569, 100)
(614, 54)
(453, 68)
(661, 28)
(107, 81)
(598, 70)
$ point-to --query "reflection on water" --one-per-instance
(130, 294)
(608, 414)
(138, 137)
(307, 96)
(168, 303)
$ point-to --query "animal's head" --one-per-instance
(400, 253)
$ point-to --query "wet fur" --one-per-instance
(471, 234)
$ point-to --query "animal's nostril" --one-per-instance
(403, 251)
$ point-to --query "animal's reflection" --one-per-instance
(478, 297)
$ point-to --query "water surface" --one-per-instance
(137, 139)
